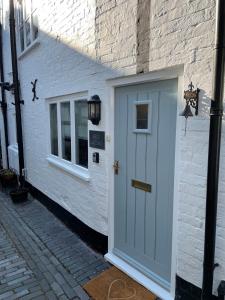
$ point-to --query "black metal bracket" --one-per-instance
(21, 102)
(216, 265)
(192, 96)
(3, 105)
(7, 86)
(34, 83)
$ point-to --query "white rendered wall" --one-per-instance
(80, 47)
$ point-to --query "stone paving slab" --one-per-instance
(40, 258)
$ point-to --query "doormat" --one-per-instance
(113, 284)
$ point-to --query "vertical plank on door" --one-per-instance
(141, 156)
(131, 157)
(151, 171)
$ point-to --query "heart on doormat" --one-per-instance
(119, 290)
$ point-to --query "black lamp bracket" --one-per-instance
(3, 105)
(21, 102)
(192, 97)
(34, 83)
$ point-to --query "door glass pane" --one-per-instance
(66, 130)
(81, 124)
(142, 116)
(54, 129)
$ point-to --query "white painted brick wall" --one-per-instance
(80, 47)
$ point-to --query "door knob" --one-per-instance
(116, 167)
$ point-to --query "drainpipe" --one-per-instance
(16, 88)
(216, 114)
(3, 102)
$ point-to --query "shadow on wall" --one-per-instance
(62, 63)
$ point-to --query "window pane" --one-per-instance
(27, 30)
(27, 8)
(34, 25)
(54, 129)
(34, 4)
(66, 130)
(21, 39)
(142, 116)
(20, 12)
(81, 124)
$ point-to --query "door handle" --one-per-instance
(116, 167)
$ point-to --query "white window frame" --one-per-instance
(26, 17)
(70, 167)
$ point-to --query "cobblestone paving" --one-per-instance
(40, 258)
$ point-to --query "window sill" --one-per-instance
(33, 45)
(68, 167)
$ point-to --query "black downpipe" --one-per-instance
(16, 92)
(216, 115)
(3, 102)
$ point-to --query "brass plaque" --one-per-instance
(141, 185)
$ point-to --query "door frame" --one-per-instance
(112, 84)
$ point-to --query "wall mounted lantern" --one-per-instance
(94, 109)
(191, 97)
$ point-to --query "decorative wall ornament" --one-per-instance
(191, 97)
(34, 90)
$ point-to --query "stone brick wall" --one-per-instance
(85, 42)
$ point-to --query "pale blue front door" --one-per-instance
(145, 130)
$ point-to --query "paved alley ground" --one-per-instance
(40, 258)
